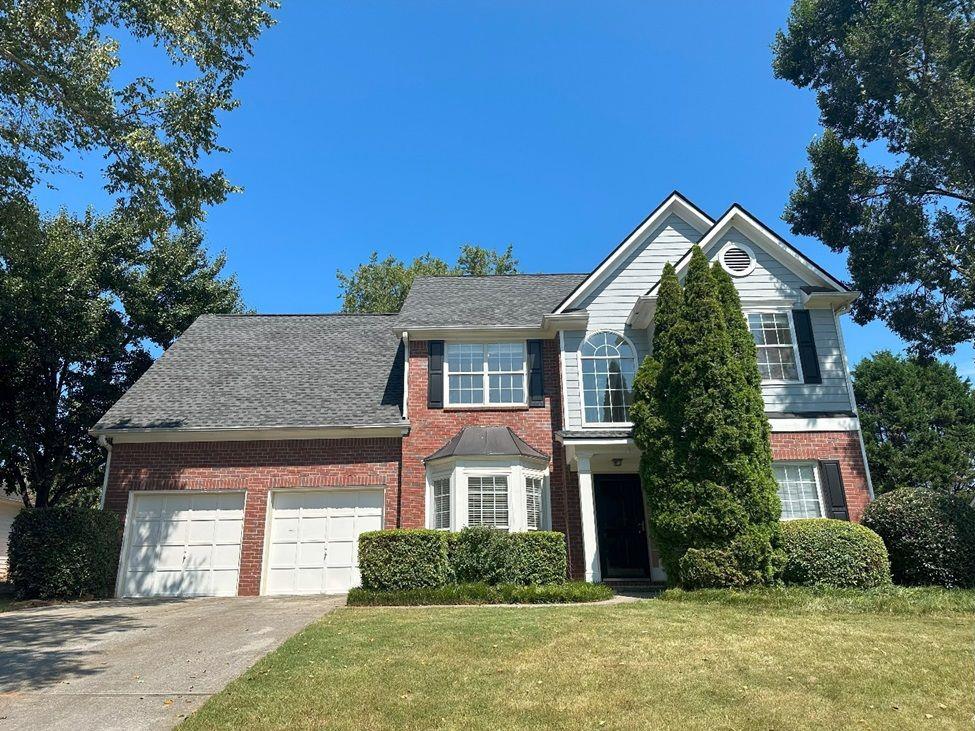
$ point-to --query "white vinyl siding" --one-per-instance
(482, 374)
(441, 503)
(487, 501)
(799, 490)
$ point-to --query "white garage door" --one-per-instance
(314, 542)
(183, 544)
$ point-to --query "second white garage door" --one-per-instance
(314, 536)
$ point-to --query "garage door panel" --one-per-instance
(228, 531)
(340, 554)
(284, 528)
(313, 528)
(313, 537)
(311, 554)
(283, 554)
(340, 579)
(185, 544)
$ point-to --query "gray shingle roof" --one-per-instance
(515, 300)
(255, 371)
(483, 441)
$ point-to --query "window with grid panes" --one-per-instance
(776, 349)
(480, 374)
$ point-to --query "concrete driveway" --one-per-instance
(135, 664)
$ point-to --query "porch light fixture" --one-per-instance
(617, 461)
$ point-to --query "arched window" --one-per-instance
(608, 367)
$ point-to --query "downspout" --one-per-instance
(406, 374)
(107, 445)
(853, 402)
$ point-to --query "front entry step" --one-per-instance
(637, 586)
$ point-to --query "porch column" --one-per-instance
(587, 503)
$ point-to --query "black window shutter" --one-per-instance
(807, 347)
(835, 507)
(435, 374)
(536, 377)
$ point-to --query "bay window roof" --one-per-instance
(487, 441)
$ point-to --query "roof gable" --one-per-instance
(675, 204)
(770, 242)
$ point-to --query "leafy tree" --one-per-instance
(63, 92)
(918, 421)
(706, 460)
(900, 75)
(84, 303)
(381, 286)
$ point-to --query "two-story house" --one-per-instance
(252, 454)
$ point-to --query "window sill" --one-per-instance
(486, 407)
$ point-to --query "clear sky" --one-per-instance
(412, 127)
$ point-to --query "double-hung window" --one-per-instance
(487, 501)
(798, 490)
(778, 357)
(485, 374)
(533, 502)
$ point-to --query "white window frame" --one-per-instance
(460, 471)
(582, 389)
(486, 374)
(787, 311)
(431, 504)
(816, 476)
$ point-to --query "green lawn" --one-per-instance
(708, 661)
(5, 603)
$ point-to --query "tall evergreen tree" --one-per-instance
(706, 461)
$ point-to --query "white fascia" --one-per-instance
(253, 434)
(815, 423)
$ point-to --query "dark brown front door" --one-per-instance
(621, 526)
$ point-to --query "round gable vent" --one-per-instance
(737, 260)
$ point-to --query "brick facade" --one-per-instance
(843, 446)
(397, 465)
(255, 467)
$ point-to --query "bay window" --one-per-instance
(512, 497)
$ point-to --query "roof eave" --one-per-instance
(250, 433)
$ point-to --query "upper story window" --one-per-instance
(778, 357)
(480, 374)
(608, 367)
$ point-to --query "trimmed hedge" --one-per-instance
(414, 559)
(403, 559)
(64, 553)
(930, 536)
(480, 593)
(834, 554)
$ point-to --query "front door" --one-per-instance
(621, 527)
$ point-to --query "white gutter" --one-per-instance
(406, 374)
(107, 445)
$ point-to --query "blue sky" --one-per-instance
(409, 127)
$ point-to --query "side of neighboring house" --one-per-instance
(8, 511)
(252, 454)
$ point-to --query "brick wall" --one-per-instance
(255, 467)
(842, 446)
(430, 429)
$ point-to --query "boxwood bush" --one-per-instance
(403, 559)
(479, 593)
(930, 536)
(833, 553)
(414, 559)
(64, 553)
